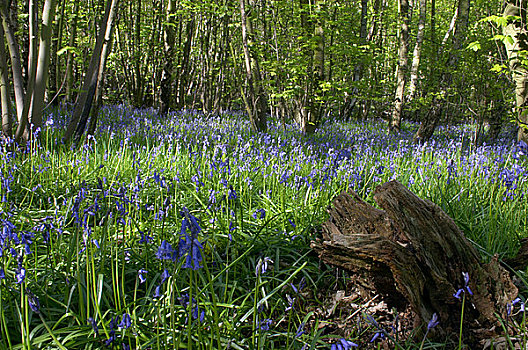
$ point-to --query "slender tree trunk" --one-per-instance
(69, 60)
(316, 104)
(14, 53)
(358, 69)
(41, 78)
(256, 105)
(83, 105)
(394, 125)
(107, 48)
(431, 120)
(4, 89)
(516, 29)
(168, 68)
(417, 50)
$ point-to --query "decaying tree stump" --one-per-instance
(414, 255)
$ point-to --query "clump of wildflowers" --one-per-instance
(343, 344)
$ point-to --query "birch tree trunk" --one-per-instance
(417, 50)
(394, 125)
(41, 78)
(516, 29)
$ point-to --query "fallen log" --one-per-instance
(413, 255)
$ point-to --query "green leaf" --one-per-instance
(475, 46)
(498, 68)
(66, 48)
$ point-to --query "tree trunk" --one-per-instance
(517, 30)
(401, 75)
(417, 50)
(169, 40)
(413, 255)
(256, 104)
(84, 101)
(14, 53)
(4, 89)
(428, 125)
(41, 77)
(105, 51)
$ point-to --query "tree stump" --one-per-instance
(413, 255)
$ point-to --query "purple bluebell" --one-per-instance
(189, 246)
(262, 265)
(461, 291)
(165, 275)
(21, 275)
(2, 274)
(343, 344)
(265, 324)
(141, 275)
(126, 322)
(300, 330)
(93, 323)
(33, 301)
(433, 322)
(157, 292)
(166, 252)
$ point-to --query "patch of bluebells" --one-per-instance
(338, 155)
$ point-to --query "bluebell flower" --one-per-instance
(433, 322)
(166, 252)
(261, 214)
(92, 323)
(343, 345)
(232, 195)
(189, 245)
(21, 276)
(262, 265)
(33, 301)
(125, 346)
(164, 275)
(265, 324)
(157, 292)
(300, 330)
(459, 292)
(145, 238)
(141, 275)
(126, 322)
(2, 274)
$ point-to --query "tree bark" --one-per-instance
(14, 53)
(84, 101)
(41, 77)
(4, 89)
(105, 51)
(401, 75)
(428, 125)
(256, 104)
(167, 81)
(412, 254)
(417, 50)
(517, 30)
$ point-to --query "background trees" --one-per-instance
(303, 59)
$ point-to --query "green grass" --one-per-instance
(93, 217)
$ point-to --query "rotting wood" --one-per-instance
(413, 254)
